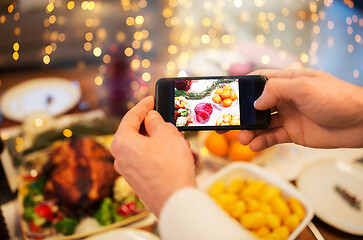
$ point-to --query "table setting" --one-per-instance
(67, 84)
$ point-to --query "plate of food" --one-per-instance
(51, 95)
(76, 192)
(225, 148)
(263, 203)
(335, 191)
(226, 96)
(182, 112)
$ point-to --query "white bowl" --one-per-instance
(251, 171)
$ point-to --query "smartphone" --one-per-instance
(212, 103)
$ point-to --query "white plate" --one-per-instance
(317, 182)
(31, 97)
(125, 234)
(251, 171)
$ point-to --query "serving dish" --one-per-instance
(52, 95)
(335, 191)
(125, 233)
(53, 204)
(253, 172)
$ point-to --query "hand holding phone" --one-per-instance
(212, 103)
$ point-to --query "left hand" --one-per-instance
(157, 165)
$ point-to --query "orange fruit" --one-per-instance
(227, 87)
(217, 99)
(226, 94)
(227, 102)
(233, 96)
(239, 152)
(218, 91)
(217, 144)
(232, 135)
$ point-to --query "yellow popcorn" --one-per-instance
(259, 207)
(297, 208)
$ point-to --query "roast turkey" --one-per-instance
(80, 174)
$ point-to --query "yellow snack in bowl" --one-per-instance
(273, 221)
(259, 207)
(291, 222)
(236, 185)
(253, 220)
(280, 207)
(262, 232)
(297, 208)
(216, 189)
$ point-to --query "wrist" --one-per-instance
(162, 198)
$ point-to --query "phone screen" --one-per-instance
(207, 102)
(211, 103)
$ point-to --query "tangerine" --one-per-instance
(218, 91)
(233, 96)
(217, 144)
(226, 94)
(227, 102)
(227, 87)
(217, 99)
(232, 135)
(239, 152)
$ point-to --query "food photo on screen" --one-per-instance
(207, 102)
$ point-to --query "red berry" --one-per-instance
(127, 208)
(33, 227)
(44, 211)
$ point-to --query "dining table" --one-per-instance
(85, 75)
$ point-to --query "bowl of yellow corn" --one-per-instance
(261, 202)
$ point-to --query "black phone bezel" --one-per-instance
(164, 102)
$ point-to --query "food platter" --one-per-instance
(327, 184)
(112, 210)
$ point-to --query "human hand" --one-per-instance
(156, 165)
(314, 109)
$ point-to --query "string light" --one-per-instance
(188, 32)
(146, 76)
(67, 133)
(97, 51)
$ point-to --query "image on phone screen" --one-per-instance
(207, 102)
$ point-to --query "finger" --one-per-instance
(284, 73)
(246, 136)
(155, 125)
(153, 122)
(269, 138)
(276, 89)
(221, 131)
(130, 125)
(133, 118)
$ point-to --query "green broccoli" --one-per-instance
(66, 226)
(105, 213)
(29, 213)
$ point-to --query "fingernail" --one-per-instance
(254, 102)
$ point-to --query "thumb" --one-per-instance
(276, 89)
(153, 122)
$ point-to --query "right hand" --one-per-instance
(314, 109)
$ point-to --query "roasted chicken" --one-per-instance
(80, 174)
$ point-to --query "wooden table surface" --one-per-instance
(85, 76)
